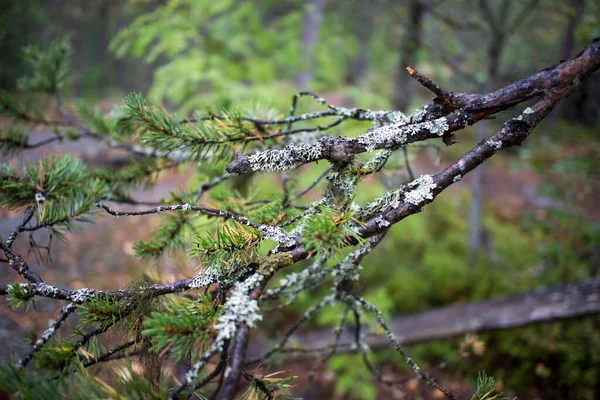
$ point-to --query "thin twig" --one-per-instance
(64, 314)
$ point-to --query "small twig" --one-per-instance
(19, 228)
(108, 354)
(220, 367)
(259, 383)
(210, 184)
(429, 84)
(64, 314)
(314, 183)
(307, 315)
(17, 262)
(416, 369)
(181, 207)
(338, 335)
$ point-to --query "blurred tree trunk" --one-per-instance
(310, 36)
(576, 12)
(494, 54)
(403, 85)
(364, 21)
(582, 106)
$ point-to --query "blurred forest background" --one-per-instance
(530, 219)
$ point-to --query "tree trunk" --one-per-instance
(403, 86)
(310, 36)
(475, 212)
(364, 18)
(568, 43)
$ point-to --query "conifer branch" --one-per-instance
(416, 369)
(64, 314)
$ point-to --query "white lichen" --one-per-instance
(528, 110)
(204, 278)
(186, 207)
(240, 308)
(277, 234)
(47, 290)
(419, 115)
(394, 135)
(382, 222)
(437, 126)
(286, 158)
(457, 178)
(422, 190)
(82, 294)
(494, 144)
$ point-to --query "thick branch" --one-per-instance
(554, 83)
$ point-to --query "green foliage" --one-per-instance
(353, 378)
(59, 188)
(19, 110)
(170, 235)
(486, 389)
(326, 233)
(50, 67)
(165, 132)
(101, 311)
(217, 54)
(183, 323)
(79, 385)
(55, 356)
(19, 296)
(94, 119)
(12, 141)
(278, 388)
(228, 246)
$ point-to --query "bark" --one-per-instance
(508, 312)
(310, 36)
(403, 85)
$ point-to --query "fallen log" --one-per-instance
(538, 306)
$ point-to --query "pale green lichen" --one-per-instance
(394, 135)
(423, 190)
(457, 178)
(494, 144)
(286, 158)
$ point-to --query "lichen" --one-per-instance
(82, 294)
(286, 158)
(457, 178)
(437, 126)
(394, 135)
(494, 144)
(423, 190)
(277, 234)
(204, 278)
(240, 308)
(382, 222)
